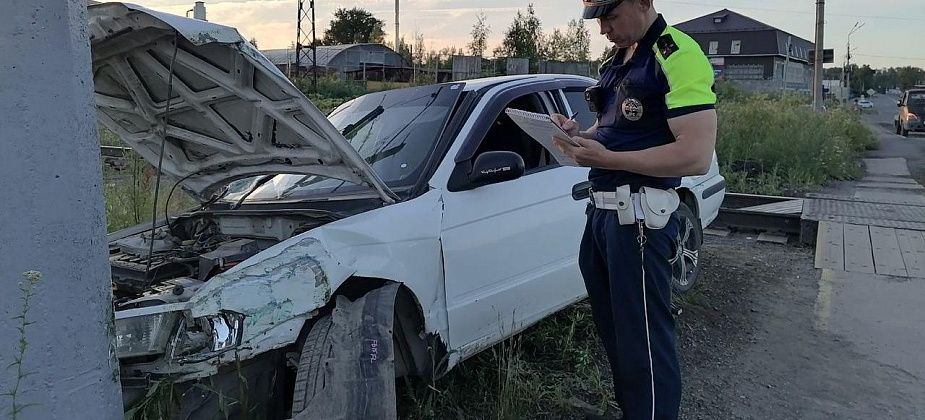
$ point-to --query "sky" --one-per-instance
(891, 35)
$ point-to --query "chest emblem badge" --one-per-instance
(632, 109)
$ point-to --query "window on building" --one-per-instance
(736, 47)
(714, 47)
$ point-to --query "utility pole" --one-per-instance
(302, 38)
(397, 49)
(53, 222)
(820, 47)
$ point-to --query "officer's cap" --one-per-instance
(598, 8)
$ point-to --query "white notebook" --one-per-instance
(542, 129)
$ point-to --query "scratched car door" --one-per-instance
(510, 251)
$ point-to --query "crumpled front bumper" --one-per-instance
(276, 291)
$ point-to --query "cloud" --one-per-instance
(448, 22)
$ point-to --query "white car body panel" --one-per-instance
(511, 253)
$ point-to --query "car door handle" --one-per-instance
(581, 191)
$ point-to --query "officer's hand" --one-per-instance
(590, 152)
(567, 125)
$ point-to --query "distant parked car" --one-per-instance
(865, 104)
(911, 109)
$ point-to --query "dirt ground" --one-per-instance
(750, 348)
(743, 286)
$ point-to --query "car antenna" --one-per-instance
(160, 157)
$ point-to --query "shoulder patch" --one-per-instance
(666, 45)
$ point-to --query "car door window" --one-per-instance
(505, 135)
(576, 100)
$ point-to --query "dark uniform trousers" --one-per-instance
(632, 315)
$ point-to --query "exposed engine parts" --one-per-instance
(193, 249)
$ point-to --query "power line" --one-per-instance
(890, 56)
(800, 12)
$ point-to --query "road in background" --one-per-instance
(880, 120)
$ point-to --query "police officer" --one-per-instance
(656, 123)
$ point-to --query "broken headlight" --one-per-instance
(210, 334)
(144, 335)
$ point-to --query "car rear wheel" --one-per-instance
(685, 266)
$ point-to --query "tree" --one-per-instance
(580, 41)
(354, 26)
(573, 45)
(862, 78)
(910, 76)
(403, 49)
(253, 42)
(480, 32)
(419, 50)
(524, 38)
(556, 46)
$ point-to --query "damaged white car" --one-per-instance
(401, 234)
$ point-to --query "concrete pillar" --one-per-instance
(51, 218)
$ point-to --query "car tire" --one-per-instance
(685, 266)
(310, 371)
(904, 132)
(346, 368)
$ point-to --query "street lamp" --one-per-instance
(857, 26)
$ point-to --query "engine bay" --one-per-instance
(193, 248)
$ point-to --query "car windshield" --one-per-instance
(394, 131)
(917, 100)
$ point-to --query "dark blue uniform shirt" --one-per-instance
(668, 76)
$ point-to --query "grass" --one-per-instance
(774, 144)
(27, 291)
(129, 193)
(554, 369)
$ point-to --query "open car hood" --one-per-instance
(233, 114)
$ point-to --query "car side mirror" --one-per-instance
(494, 167)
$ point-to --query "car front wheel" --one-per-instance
(685, 266)
(346, 366)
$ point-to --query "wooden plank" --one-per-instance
(716, 232)
(859, 256)
(783, 207)
(912, 245)
(888, 259)
(889, 179)
(830, 246)
(772, 238)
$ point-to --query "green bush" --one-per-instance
(776, 144)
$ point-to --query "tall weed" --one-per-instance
(776, 144)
